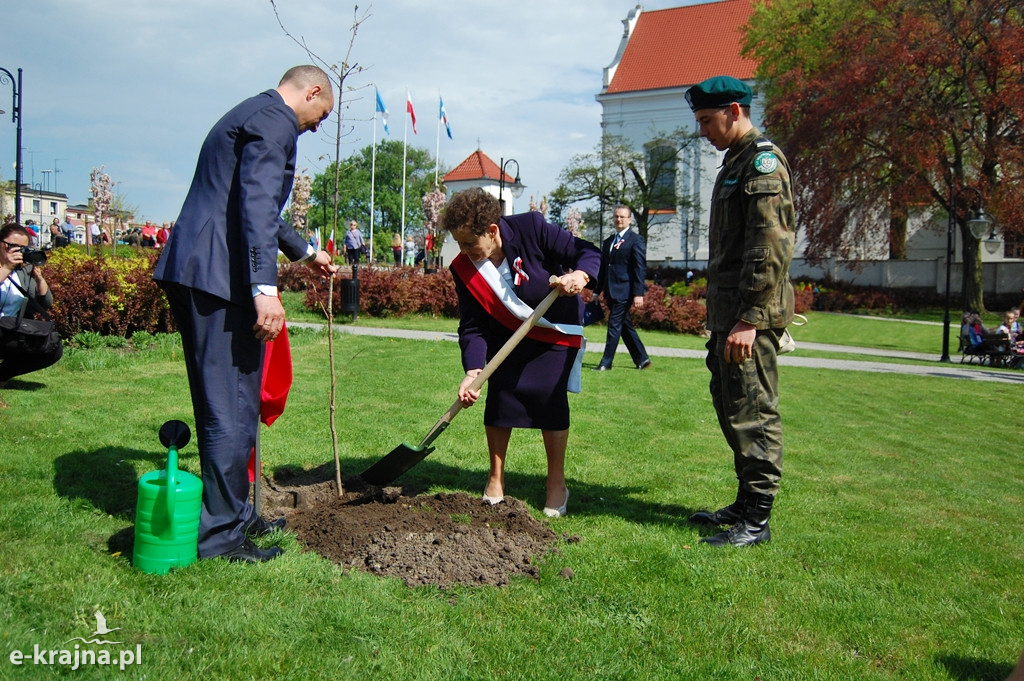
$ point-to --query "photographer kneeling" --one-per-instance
(22, 285)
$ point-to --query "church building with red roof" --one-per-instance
(661, 54)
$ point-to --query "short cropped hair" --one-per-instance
(473, 209)
(306, 75)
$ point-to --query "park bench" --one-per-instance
(995, 350)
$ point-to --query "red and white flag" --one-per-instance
(330, 243)
(408, 107)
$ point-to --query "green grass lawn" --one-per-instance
(896, 550)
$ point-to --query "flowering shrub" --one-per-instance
(102, 193)
(843, 297)
(301, 188)
(108, 296)
(663, 312)
(574, 221)
(803, 300)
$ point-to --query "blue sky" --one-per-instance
(134, 85)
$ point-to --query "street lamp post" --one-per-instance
(6, 75)
(980, 225)
(517, 186)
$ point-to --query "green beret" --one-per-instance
(718, 92)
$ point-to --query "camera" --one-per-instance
(34, 256)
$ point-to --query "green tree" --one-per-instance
(617, 171)
(354, 190)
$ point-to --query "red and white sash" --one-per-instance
(500, 301)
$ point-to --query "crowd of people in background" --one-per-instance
(61, 234)
(411, 252)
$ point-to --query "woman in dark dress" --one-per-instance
(501, 273)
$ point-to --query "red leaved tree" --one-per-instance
(897, 103)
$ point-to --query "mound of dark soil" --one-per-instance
(440, 539)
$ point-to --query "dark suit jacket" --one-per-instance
(545, 249)
(230, 228)
(623, 269)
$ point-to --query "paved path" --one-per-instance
(964, 372)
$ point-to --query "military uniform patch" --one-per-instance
(766, 162)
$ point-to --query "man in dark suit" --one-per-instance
(621, 280)
(219, 271)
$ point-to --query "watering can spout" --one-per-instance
(172, 486)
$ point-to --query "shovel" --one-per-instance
(405, 456)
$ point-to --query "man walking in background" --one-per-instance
(219, 270)
(749, 301)
(621, 280)
(68, 229)
(353, 243)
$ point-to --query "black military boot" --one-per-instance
(730, 515)
(752, 528)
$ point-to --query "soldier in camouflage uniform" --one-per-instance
(749, 300)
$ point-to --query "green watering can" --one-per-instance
(168, 509)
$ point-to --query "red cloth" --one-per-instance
(274, 387)
(277, 377)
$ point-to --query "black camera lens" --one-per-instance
(34, 256)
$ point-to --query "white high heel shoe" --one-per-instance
(561, 510)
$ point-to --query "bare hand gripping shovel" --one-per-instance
(405, 456)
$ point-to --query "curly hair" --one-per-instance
(473, 209)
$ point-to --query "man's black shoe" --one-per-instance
(247, 552)
(743, 533)
(602, 367)
(261, 527)
(644, 364)
(752, 528)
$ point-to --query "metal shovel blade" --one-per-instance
(398, 461)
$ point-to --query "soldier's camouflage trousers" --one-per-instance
(746, 399)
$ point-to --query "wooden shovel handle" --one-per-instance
(495, 362)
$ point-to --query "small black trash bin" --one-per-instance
(350, 297)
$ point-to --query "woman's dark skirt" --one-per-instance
(528, 390)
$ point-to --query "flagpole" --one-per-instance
(405, 141)
(437, 144)
(373, 179)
